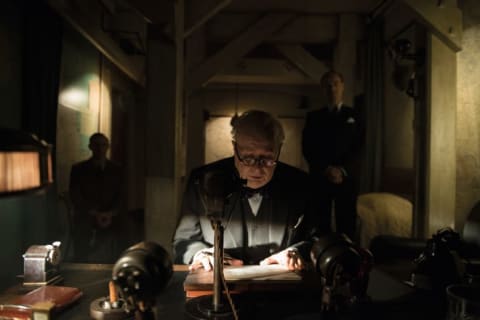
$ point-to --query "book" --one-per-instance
(40, 303)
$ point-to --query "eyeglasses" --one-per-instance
(251, 161)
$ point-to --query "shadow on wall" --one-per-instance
(400, 181)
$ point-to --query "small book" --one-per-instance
(40, 303)
(59, 296)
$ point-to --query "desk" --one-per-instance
(391, 299)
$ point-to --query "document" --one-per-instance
(247, 278)
(259, 272)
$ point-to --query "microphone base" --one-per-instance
(202, 308)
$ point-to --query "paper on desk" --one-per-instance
(259, 272)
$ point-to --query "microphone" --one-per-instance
(216, 189)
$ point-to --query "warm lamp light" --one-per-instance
(25, 162)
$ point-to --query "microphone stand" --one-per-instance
(213, 306)
(218, 264)
(216, 187)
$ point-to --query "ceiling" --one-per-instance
(162, 11)
(204, 12)
(268, 41)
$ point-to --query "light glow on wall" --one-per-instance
(92, 113)
(218, 140)
(73, 97)
(94, 95)
(105, 110)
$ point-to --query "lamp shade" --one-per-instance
(25, 162)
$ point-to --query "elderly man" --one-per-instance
(331, 140)
(267, 215)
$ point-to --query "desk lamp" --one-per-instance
(344, 268)
(25, 162)
(26, 166)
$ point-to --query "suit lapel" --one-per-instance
(234, 226)
(278, 216)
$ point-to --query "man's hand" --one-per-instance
(334, 174)
(289, 258)
(103, 219)
(205, 259)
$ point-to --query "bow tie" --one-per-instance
(249, 192)
(334, 110)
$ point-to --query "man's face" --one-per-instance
(333, 87)
(99, 147)
(258, 174)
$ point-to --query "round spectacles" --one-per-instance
(252, 161)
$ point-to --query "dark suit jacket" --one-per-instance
(285, 216)
(94, 189)
(331, 138)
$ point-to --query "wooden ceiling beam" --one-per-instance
(304, 6)
(207, 16)
(445, 21)
(236, 49)
(254, 70)
(156, 12)
(303, 60)
(305, 28)
(92, 31)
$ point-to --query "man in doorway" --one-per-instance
(331, 140)
(95, 191)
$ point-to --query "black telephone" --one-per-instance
(440, 263)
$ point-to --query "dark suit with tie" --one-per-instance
(334, 138)
(282, 220)
(95, 189)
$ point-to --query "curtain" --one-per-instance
(374, 107)
(41, 69)
(42, 46)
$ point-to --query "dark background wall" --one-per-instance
(468, 113)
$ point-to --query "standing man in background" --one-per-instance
(331, 140)
(95, 191)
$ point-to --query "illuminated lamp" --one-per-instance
(25, 162)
